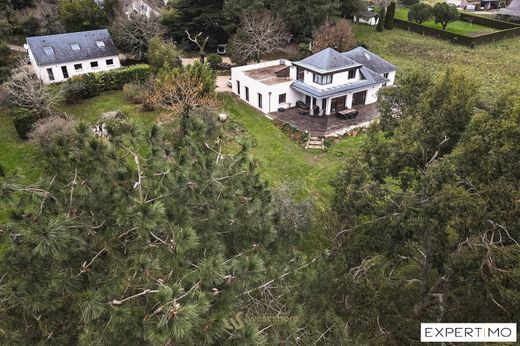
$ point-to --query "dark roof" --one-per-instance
(63, 52)
(326, 61)
(370, 60)
(371, 79)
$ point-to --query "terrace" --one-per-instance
(327, 125)
(270, 75)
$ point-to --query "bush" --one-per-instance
(24, 121)
(140, 93)
(214, 61)
(390, 14)
(92, 84)
(411, 2)
(47, 131)
(163, 55)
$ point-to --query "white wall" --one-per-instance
(339, 78)
(41, 71)
(256, 87)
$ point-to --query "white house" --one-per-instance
(56, 58)
(326, 82)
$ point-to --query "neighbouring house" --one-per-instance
(56, 58)
(369, 17)
(324, 83)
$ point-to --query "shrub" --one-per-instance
(47, 131)
(420, 13)
(163, 55)
(24, 121)
(214, 61)
(411, 2)
(92, 84)
(381, 23)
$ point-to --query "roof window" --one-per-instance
(100, 44)
(74, 46)
(367, 56)
(48, 51)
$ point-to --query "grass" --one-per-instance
(491, 66)
(281, 160)
(458, 27)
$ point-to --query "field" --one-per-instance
(457, 27)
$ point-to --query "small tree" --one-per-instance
(133, 33)
(381, 20)
(390, 14)
(445, 14)
(201, 44)
(339, 36)
(163, 55)
(26, 91)
(420, 13)
(259, 34)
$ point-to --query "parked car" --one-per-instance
(229, 83)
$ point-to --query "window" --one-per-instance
(238, 87)
(351, 74)
(247, 94)
(282, 98)
(385, 75)
(322, 79)
(94, 64)
(78, 67)
(65, 72)
(74, 46)
(50, 73)
(100, 44)
(110, 62)
(300, 73)
(259, 100)
(48, 51)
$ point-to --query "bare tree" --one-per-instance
(258, 34)
(47, 130)
(133, 33)
(201, 45)
(48, 17)
(26, 91)
(339, 36)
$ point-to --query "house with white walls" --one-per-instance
(55, 58)
(325, 83)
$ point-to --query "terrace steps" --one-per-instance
(315, 142)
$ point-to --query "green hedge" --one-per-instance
(23, 120)
(92, 84)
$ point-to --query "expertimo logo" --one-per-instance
(468, 332)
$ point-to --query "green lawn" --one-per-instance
(492, 66)
(280, 159)
(457, 27)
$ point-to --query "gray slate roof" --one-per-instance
(63, 52)
(327, 61)
(370, 60)
(372, 79)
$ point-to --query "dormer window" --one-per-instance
(74, 46)
(48, 51)
(351, 74)
(100, 44)
(322, 79)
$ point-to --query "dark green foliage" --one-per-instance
(350, 8)
(214, 61)
(5, 61)
(163, 55)
(381, 23)
(411, 2)
(80, 15)
(23, 120)
(92, 84)
(144, 237)
(421, 216)
(389, 18)
(444, 13)
(420, 13)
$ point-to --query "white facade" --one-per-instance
(254, 85)
(249, 89)
(74, 68)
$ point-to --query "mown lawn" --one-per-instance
(457, 27)
(493, 66)
(281, 160)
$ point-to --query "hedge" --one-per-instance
(92, 84)
(23, 120)
(458, 38)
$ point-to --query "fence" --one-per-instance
(470, 41)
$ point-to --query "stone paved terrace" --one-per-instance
(267, 75)
(327, 125)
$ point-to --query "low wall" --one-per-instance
(490, 22)
(470, 41)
